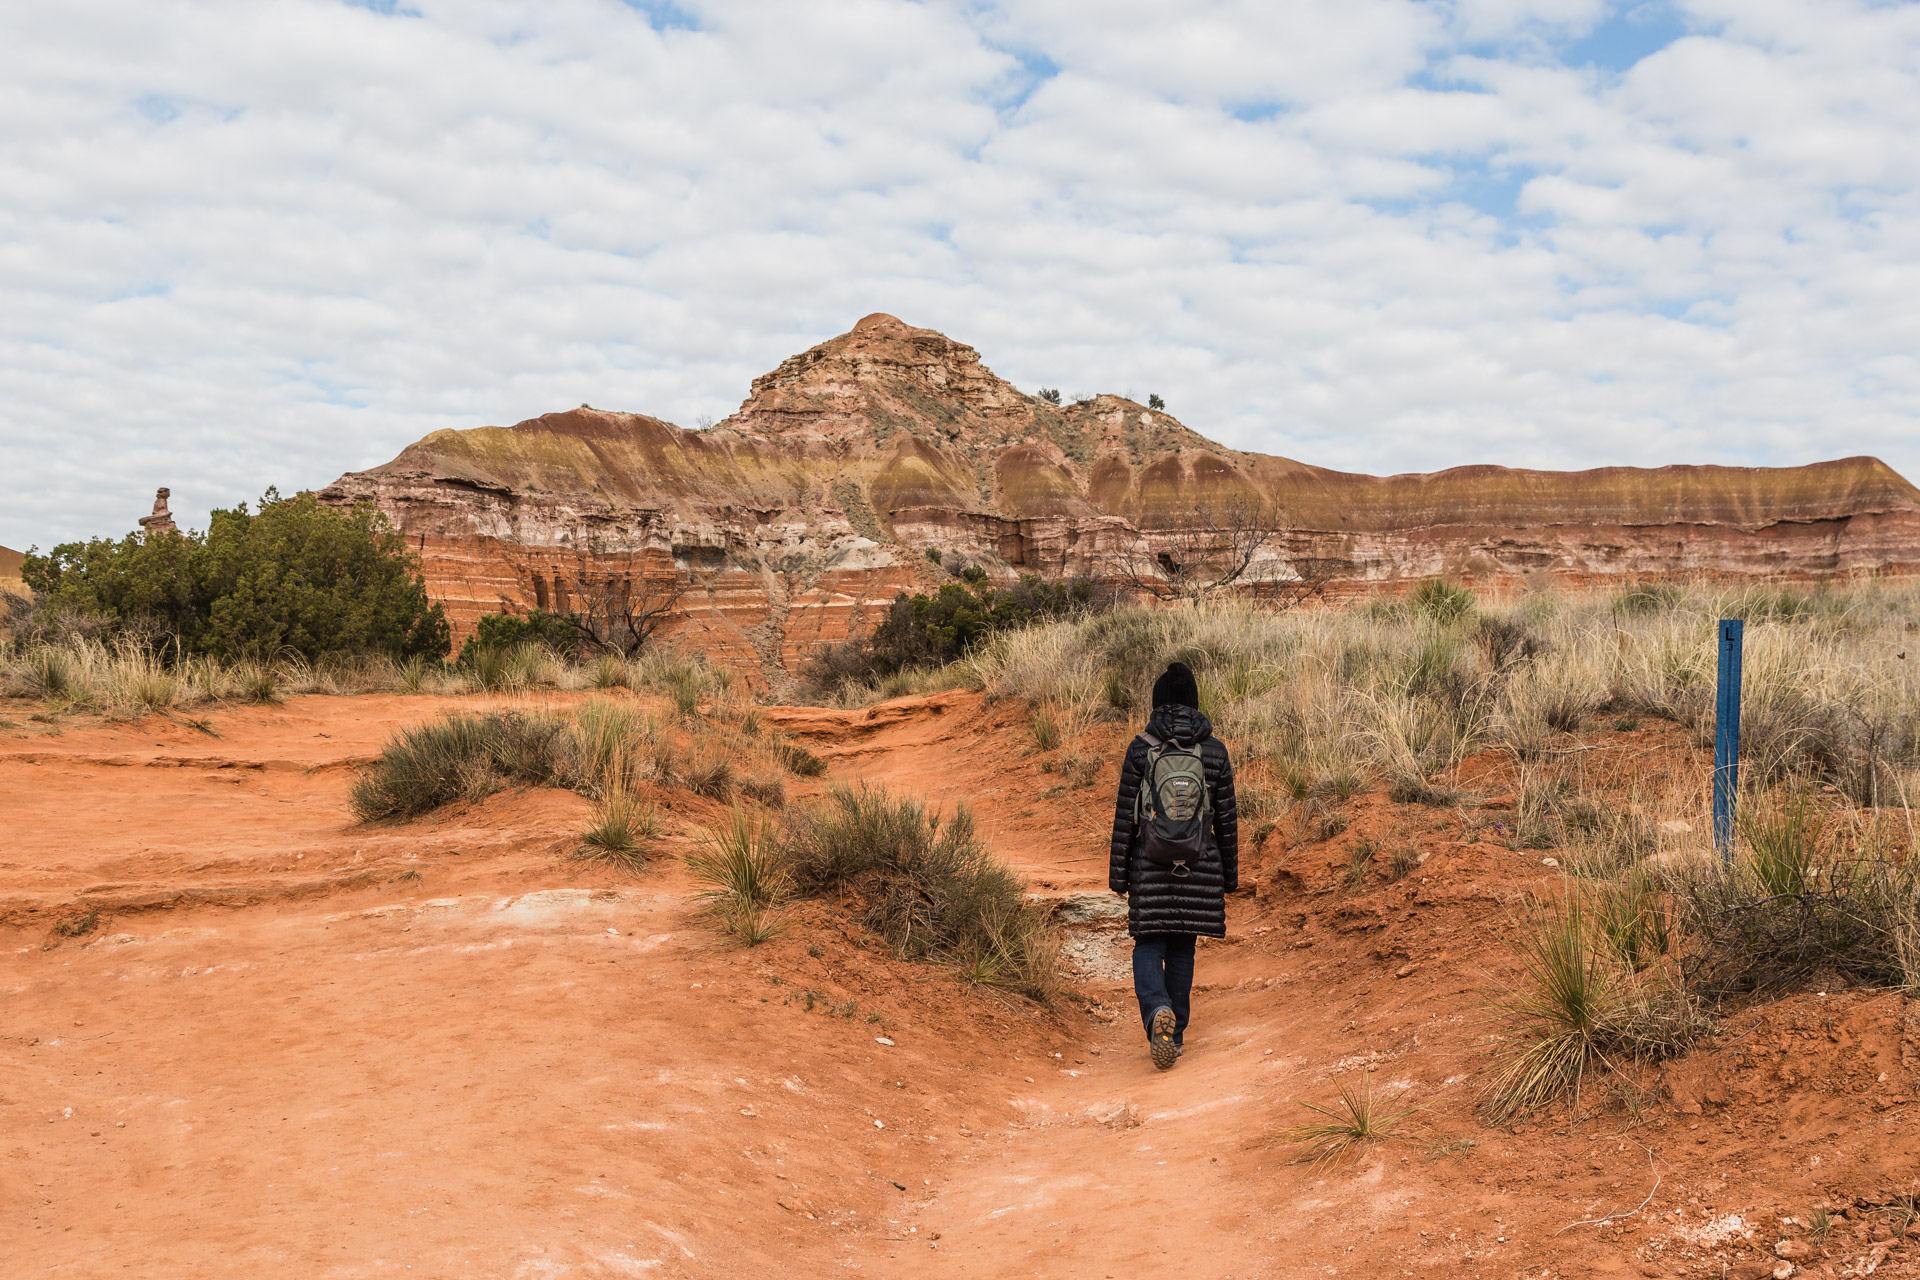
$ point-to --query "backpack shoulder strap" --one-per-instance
(1146, 774)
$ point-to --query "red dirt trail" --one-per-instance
(295, 1046)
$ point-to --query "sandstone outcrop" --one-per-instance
(161, 521)
(799, 517)
(10, 562)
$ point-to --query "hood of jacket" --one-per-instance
(1173, 723)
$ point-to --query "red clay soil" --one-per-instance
(285, 1044)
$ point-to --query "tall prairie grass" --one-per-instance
(127, 679)
(1404, 689)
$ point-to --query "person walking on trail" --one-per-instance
(1176, 853)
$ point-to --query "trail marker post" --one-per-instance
(1726, 735)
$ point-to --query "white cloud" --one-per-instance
(268, 242)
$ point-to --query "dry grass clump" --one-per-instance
(131, 676)
(1812, 899)
(797, 760)
(709, 772)
(767, 789)
(1356, 1119)
(462, 757)
(687, 680)
(927, 884)
(1624, 963)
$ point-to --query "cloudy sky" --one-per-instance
(269, 241)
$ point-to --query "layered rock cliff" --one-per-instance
(799, 517)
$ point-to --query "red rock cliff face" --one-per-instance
(799, 518)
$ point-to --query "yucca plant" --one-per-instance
(256, 681)
(606, 736)
(1355, 1119)
(413, 675)
(1579, 1003)
(1562, 1015)
(621, 833)
(608, 671)
(49, 672)
(494, 672)
(530, 664)
(1443, 601)
(1783, 837)
(1633, 916)
(1046, 729)
(745, 876)
(684, 687)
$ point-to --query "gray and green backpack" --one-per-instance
(1173, 808)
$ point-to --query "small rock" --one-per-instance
(1029, 1079)
(1793, 1250)
(883, 1040)
(878, 1125)
(1404, 971)
(1549, 862)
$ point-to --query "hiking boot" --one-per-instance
(1160, 1039)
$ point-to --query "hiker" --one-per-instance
(1176, 853)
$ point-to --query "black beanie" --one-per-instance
(1176, 686)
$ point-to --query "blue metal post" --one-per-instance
(1726, 735)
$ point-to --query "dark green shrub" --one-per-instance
(294, 575)
(501, 631)
(922, 630)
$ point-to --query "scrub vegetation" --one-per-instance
(1650, 933)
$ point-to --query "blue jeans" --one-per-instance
(1163, 978)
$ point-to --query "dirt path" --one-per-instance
(295, 1046)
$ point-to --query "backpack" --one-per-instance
(1174, 808)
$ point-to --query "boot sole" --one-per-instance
(1160, 1043)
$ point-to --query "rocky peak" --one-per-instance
(885, 378)
(882, 375)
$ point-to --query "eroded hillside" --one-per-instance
(798, 518)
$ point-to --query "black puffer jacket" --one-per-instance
(1159, 901)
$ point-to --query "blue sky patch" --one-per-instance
(664, 15)
(1629, 34)
(1035, 69)
(157, 109)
